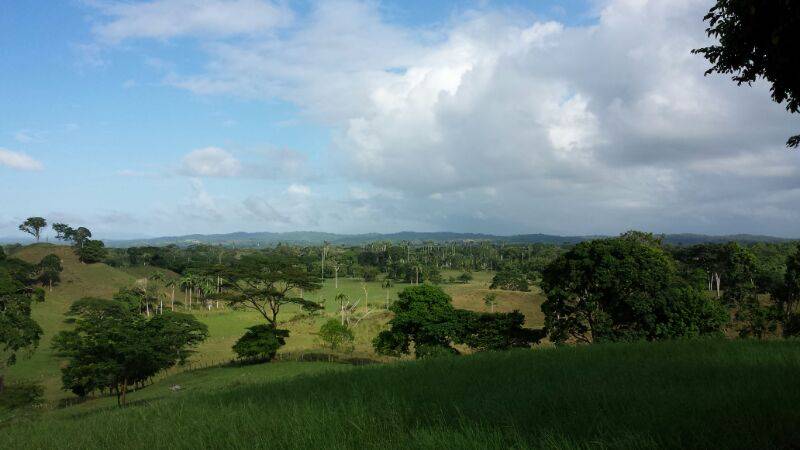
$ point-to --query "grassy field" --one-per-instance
(225, 325)
(680, 394)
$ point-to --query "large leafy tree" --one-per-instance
(758, 39)
(424, 316)
(112, 346)
(510, 278)
(33, 226)
(266, 282)
(18, 331)
(50, 270)
(622, 289)
(92, 251)
(786, 296)
(77, 236)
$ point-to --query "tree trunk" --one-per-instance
(124, 390)
(172, 299)
(2, 383)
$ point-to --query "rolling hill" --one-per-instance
(679, 394)
(259, 239)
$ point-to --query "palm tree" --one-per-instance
(158, 277)
(387, 284)
(171, 284)
(186, 282)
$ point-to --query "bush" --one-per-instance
(260, 343)
(336, 336)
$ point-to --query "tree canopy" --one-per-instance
(758, 39)
(424, 316)
(33, 226)
(18, 330)
(112, 346)
(267, 282)
(622, 289)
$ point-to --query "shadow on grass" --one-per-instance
(104, 409)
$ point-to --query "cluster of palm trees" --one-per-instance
(197, 290)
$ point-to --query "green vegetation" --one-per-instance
(623, 289)
(18, 331)
(113, 346)
(758, 39)
(260, 343)
(132, 321)
(678, 394)
(425, 318)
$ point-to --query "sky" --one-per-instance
(169, 117)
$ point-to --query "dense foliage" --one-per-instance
(623, 289)
(18, 331)
(424, 316)
(260, 343)
(112, 346)
(758, 39)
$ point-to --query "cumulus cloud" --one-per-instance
(210, 162)
(164, 19)
(499, 123)
(18, 160)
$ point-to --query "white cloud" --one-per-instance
(298, 190)
(211, 162)
(164, 19)
(503, 123)
(18, 160)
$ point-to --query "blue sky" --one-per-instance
(181, 116)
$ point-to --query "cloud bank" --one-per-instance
(498, 122)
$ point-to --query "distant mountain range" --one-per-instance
(261, 239)
(266, 239)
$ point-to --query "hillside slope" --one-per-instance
(77, 280)
(682, 394)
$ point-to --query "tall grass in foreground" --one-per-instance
(688, 394)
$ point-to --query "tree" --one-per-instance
(787, 296)
(33, 226)
(78, 236)
(490, 300)
(267, 282)
(336, 336)
(511, 279)
(260, 343)
(92, 251)
(423, 315)
(369, 273)
(758, 39)
(50, 270)
(112, 346)
(387, 284)
(465, 277)
(503, 331)
(18, 331)
(619, 290)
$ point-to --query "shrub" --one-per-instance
(260, 343)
